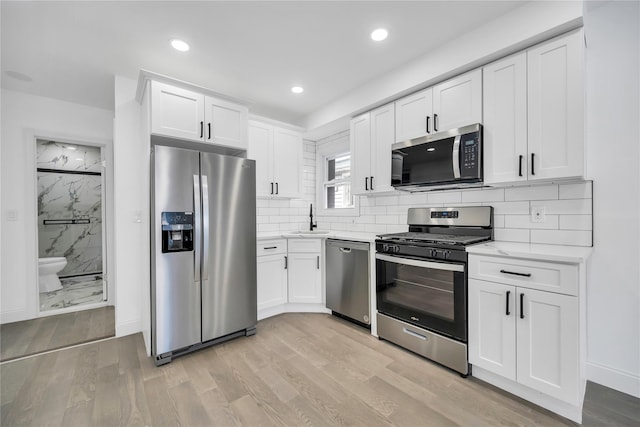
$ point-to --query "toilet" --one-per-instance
(48, 269)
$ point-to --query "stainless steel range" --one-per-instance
(421, 281)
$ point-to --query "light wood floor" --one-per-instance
(34, 336)
(299, 369)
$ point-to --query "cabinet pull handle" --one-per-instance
(209, 126)
(371, 183)
(318, 262)
(286, 262)
(522, 305)
(270, 247)
(520, 166)
(533, 155)
(508, 294)
(366, 184)
(201, 129)
(277, 189)
(272, 188)
(427, 120)
(516, 274)
(435, 122)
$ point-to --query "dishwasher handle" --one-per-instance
(347, 246)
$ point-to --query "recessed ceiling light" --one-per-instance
(379, 34)
(180, 45)
(297, 89)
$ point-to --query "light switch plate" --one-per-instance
(537, 214)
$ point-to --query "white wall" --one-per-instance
(131, 158)
(612, 31)
(24, 117)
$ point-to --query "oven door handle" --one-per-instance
(424, 264)
(456, 157)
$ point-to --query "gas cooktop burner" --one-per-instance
(414, 237)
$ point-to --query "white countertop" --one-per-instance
(553, 253)
(333, 234)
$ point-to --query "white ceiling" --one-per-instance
(253, 50)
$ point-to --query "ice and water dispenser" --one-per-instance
(177, 231)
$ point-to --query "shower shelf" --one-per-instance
(66, 221)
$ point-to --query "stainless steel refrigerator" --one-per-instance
(203, 249)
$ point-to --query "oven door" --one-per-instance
(428, 294)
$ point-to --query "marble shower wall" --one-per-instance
(66, 196)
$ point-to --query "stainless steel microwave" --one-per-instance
(446, 159)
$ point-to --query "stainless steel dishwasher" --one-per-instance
(347, 278)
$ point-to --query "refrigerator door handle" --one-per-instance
(198, 220)
(205, 228)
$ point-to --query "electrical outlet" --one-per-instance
(537, 214)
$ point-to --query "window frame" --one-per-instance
(328, 149)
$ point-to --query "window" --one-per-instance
(337, 182)
(333, 177)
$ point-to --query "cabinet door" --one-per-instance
(272, 281)
(547, 343)
(458, 102)
(360, 142)
(492, 327)
(287, 163)
(260, 149)
(226, 123)
(414, 115)
(304, 278)
(505, 120)
(556, 108)
(176, 112)
(382, 138)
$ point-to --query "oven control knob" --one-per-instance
(385, 247)
(434, 253)
(396, 249)
(446, 254)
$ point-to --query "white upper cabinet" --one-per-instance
(185, 114)
(372, 135)
(458, 101)
(556, 108)
(414, 115)
(534, 113)
(451, 104)
(360, 140)
(505, 120)
(226, 123)
(177, 112)
(278, 155)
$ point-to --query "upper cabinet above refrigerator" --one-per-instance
(186, 114)
(454, 103)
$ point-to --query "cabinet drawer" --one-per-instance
(305, 245)
(271, 247)
(546, 276)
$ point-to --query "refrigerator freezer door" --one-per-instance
(229, 291)
(175, 291)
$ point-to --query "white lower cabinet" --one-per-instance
(289, 276)
(305, 278)
(272, 273)
(529, 338)
(525, 335)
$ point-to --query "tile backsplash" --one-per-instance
(567, 210)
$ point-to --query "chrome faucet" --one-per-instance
(311, 224)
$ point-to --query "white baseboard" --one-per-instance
(127, 328)
(292, 308)
(622, 381)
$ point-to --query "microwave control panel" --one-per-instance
(470, 155)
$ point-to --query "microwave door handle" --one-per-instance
(456, 157)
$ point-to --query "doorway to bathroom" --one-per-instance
(71, 238)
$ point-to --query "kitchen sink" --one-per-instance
(307, 232)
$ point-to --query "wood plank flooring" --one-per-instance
(42, 334)
(298, 370)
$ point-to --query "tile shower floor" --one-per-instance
(75, 291)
